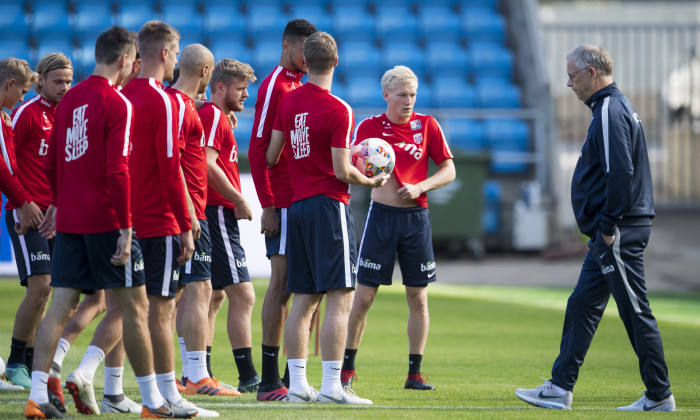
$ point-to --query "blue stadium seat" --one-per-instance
(334, 4)
(465, 135)
(482, 24)
(91, 19)
(189, 38)
(497, 95)
(396, 22)
(490, 58)
(230, 48)
(266, 55)
(424, 97)
(133, 16)
(404, 53)
(439, 22)
(353, 23)
(13, 21)
(315, 14)
(49, 18)
(184, 18)
(509, 136)
(265, 23)
(18, 48)
(364, 92)
(453, 92)
(55, 43)
(243, 129)
(340, 90)
(84, 62)
(447, 58)
(488, 4)
(490, 218)
(359, 58)
(223, 21)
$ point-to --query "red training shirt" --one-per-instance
(159, 204)
(8, 183)
(272, 185)
(218, 134)
(313, 121)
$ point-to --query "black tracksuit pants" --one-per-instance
(616, 269)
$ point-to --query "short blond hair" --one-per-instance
(228, 70)
(15, 68)
(400, 75)
(155, 35)
(51, 62)
(320, 52)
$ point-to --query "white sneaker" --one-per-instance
(126, 405)
(309, 395)
(645, 404)
(343, 396)
(201, 412)
(546, 396)
(83, 393)
(6, 386)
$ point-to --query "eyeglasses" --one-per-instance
(573, 73)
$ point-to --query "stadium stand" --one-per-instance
(352, 22)
(222, 20)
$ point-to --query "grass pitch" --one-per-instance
(484, 342)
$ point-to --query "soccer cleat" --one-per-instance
(272, 393)
(119, 404)
(545, 396)
(42, 411)
(201, 412)
(208, 387)
(249, 385)
(181, 385)
(309, 395)
(83, 393)
(342, 396)
(6, 386)
(168, 411)
(416, 381)
(18, 374)
(53, 400)
(54, 387)
(225, 385)
(347, 377)
(645, 404)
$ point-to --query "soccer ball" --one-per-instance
(373, 156)
(2, 367)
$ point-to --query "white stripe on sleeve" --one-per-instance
(268, 95)
(214, 125)
(606, 133)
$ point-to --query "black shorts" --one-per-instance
(162, 270)
(32, 251)
(321, 251)
(390, 230)
(198, 268)
(228, 264)
(278, 244)
(82, 261)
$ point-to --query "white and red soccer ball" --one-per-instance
(373, 156)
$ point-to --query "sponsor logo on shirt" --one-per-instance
(76, 136)
(300, 137)
(234, 154)
(367, 263)
(416, 125)
(429, 266)
(45, 102)
(411, 149)
(418, 138)
(39, 256)
(290, 74)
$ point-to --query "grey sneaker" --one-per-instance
(545, 396)
(343, 396)
(645, 404)
(6, 386)
(119, 404)
(309, 395)
(201, 412)
(83, 393)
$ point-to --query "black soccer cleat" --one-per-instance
(416, 381)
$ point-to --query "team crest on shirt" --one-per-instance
(418, 137)
(416, 125)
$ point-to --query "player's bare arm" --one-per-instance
(269, 222)
(47, 228)
(274, 150)
(186, 247)
(196, 227)
(30, 216)
(444, 175)
(218, 181)
(123, 252)
(349, 174)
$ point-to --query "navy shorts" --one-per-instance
(32, 251)
(81, 261)
(228, 265)
(321, 250)
(389, 230)
(162, 270)
(278, 244)
(198, 268)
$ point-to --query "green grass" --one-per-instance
(484, 342)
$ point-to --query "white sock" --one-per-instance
(297, 375)
(61, 350)
(167, 387)
(39, 393)
(150, 397)
(183, 357)
(330, 380)
(91, 361)
(113, 380)
(197, 365)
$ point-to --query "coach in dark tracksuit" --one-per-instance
(612, 198)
